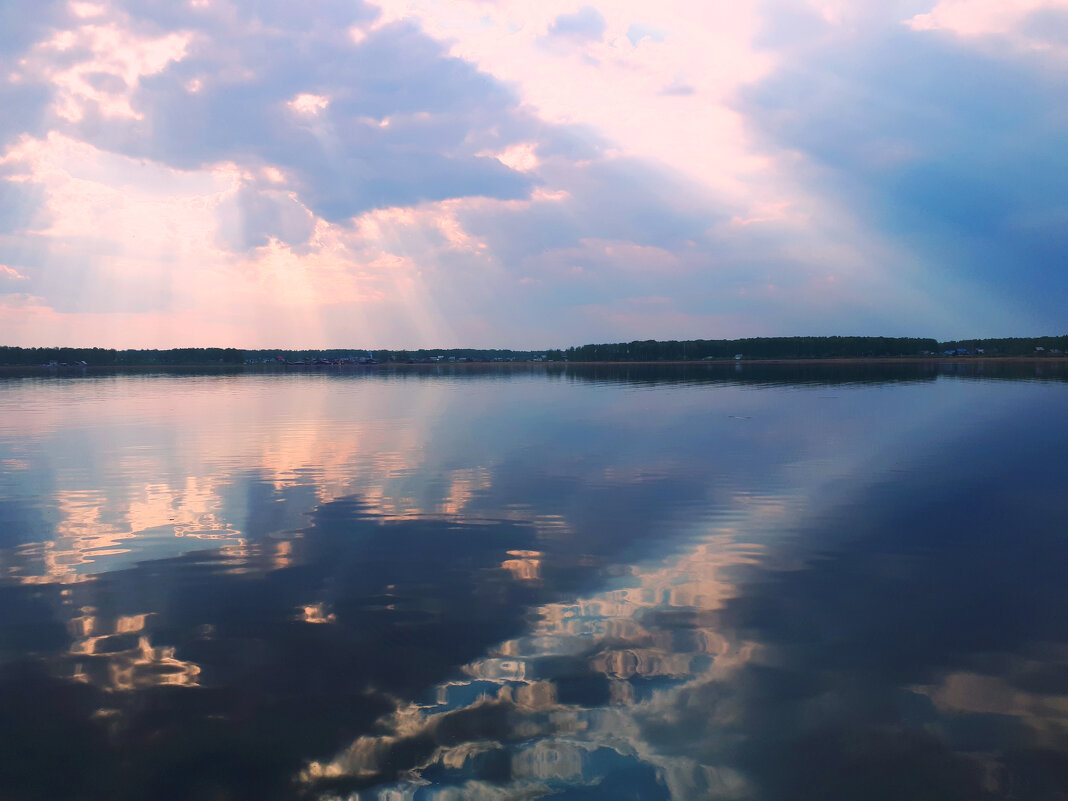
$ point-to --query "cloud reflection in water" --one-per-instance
(513, 587)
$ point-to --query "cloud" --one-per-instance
(234, 150)
(639, 32)
(1048, 27)
(10, 274)
(25, 104)
(933, 143)
(873, 658)
(256, 214)
(678, 88)
(395, 121)
(586, 23)
(972, 18)
(22, 205)
(843, 169)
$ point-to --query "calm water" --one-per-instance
(793, 583)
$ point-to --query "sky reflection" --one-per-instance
(521, 586)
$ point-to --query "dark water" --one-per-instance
(785, 583)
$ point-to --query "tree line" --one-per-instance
(649, 350)
(752, 348)
(386, 355)
(1010, 346)
(112, 357)
(836, 347)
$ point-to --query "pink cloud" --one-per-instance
(107, 80)
(137, 229)
(996, 25)
(980, 17)
(649, 196)
(616, 86)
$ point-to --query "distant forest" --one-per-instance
(807, 348)
(117, 358)
(110, 357)
(638, 351)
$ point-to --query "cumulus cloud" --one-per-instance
(390, 121)
(765, 169)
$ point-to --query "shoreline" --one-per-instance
(269, 368)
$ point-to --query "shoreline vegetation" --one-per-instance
(765, 350)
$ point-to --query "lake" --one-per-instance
(519, 582)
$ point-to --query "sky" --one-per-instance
(510, 173)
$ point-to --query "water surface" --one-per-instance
(598, 583)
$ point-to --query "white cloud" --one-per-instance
(309, 104)
(11, 273)
(980, 17)
(117, 59)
